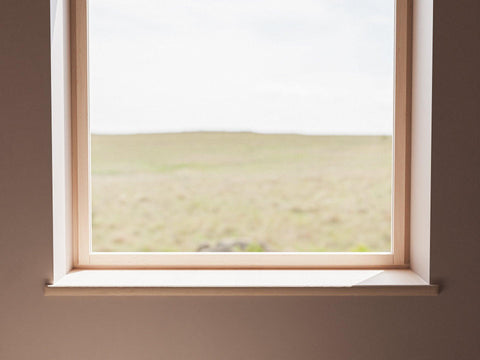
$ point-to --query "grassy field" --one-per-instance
(241, 191)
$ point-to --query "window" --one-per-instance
(94, 102)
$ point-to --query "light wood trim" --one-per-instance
(389, 290)
(241, 260)
(81, 223)
(84, 258)
(402, 130)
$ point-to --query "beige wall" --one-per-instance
(35, 327)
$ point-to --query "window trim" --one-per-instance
(83, 257)
(241, 283)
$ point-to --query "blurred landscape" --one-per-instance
(220, 191)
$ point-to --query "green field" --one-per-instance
(215, 191)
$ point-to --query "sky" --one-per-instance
(270, 66)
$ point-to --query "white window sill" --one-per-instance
(241, 283)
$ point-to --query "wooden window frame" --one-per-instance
(84, 257)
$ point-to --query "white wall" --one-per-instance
(35, 327)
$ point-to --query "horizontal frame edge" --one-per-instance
(370, 290)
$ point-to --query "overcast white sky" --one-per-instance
(301, 66)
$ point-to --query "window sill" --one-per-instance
(241, 283)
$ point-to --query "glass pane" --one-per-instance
(241, 125)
